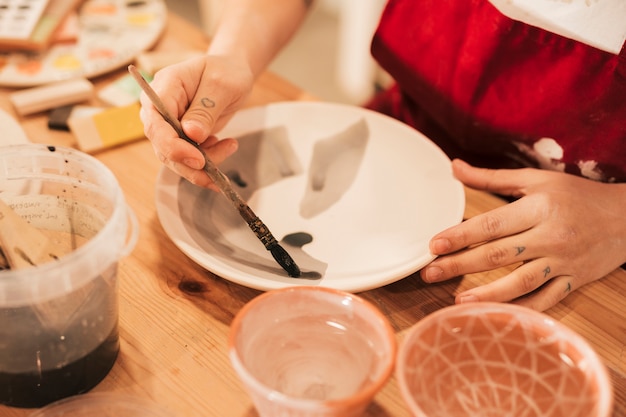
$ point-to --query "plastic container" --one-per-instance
(59, 333)
(102, 405)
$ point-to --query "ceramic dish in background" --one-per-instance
(354, 197)
(111, 34)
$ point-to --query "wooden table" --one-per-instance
(174, 315)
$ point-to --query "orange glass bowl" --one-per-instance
(492, 359)
(308, 351)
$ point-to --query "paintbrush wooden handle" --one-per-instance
(226, 188)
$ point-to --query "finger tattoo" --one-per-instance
(569, 287)
(207, 102)
(546, 271)
(520, 249)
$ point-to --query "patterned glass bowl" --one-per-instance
(491, 359)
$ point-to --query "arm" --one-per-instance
(256, 30)
(205, 92)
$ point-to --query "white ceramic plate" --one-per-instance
(352, 195)
(111, 34)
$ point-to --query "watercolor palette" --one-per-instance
(111, 33)
(354, 197)
(18, 18)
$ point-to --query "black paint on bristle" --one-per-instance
(284, 260)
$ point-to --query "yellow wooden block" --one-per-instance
(110, 127)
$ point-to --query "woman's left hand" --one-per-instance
(564, 230)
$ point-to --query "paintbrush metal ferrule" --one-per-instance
(259, 228)
(262, 232)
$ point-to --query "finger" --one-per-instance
(217, 152)
(549, 295)
(207, 112)
(173, 94)
(507, 220)
(182, 157)
(520, 282)
(486, 257)
(168, 147)
(511, 182)
(199, 120)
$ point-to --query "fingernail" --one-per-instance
(440, 246)
(467, 298)
(195, 128)
(432, 274)
(193, 163)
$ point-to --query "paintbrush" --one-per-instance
(223, 183)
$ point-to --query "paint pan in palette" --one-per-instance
(31, 25)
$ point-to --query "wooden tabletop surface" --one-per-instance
(174, 315)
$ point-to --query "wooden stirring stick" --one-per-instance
(23, 245)
(254, 223)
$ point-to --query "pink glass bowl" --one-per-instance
(310, 351)
(491, 359)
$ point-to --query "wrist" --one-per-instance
(256, 30)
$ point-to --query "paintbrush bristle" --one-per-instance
(284, 260)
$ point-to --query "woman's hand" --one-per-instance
(203, 93)
(566, 231)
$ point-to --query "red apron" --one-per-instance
(497, 92)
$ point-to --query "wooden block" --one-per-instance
(110, 127)
(58, 118)
(46, 97)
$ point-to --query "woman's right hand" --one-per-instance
(203, 93)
